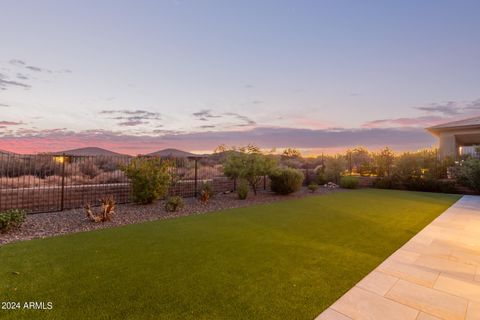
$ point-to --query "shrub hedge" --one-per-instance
(286, 180)
(349, 182)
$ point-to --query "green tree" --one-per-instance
(334, 168)
(361, 160)
(408, 166)
(291, 153)
(292, 158)
(384, 162)
(248, 163)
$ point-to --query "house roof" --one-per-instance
(470, 122)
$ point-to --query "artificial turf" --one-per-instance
(284, 260)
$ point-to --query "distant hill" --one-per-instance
(90, 151)
(5, 152)
(172, 153)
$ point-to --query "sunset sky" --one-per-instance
(139, 76)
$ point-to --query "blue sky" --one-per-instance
(137, 76)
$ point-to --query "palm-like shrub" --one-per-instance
(206, 192)
(286, 180)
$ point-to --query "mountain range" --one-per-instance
(172, 153)
(89, 151)
(95, 151)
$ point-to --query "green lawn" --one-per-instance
(285, 260)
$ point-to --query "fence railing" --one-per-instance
(46, 183)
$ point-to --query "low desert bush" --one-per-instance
(312, 187)
(429, 185)
(349, 182)
(206, 192)
(415, 184)
(174, 203)
(89, 168)
(149, 178)
(286, 180)
(242, 189)
(11, 219)
(21, 182)
(116, 176)
(387, 183)
(53, 180)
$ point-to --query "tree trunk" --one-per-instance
(254, 187)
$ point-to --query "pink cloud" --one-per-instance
(34, 141)
(419, 122)
(10, 123)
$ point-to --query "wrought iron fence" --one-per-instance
(46, 183)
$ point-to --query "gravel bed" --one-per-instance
(43, 225)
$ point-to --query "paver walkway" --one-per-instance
(435, 275)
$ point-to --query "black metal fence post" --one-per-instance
(196, 177)
(62, 203)
(264, 182)
(350, 162)
(307, 178)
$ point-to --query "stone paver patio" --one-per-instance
(435, 275)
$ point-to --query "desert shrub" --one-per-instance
(312, 187)
(149, 179)
(174, 203)
(78, 180)
(116, 176)
(429, 185)
(286, 180)
(242, 189)
(206, 192)
(469, 174)
(387, 183)
(349, 182)
(446, 186)
(53, 180)
(21, 182)
(89, 168)
(11, 219)
(107, 163)
(248, 163)
(334, 167)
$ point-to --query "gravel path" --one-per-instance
(43, 225)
